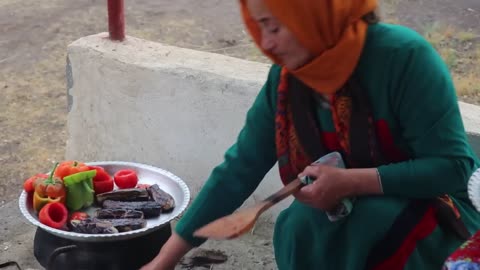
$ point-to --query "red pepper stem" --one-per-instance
(50, 178)
(75, 164)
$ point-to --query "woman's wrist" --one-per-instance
(171, 253)
(361, 182)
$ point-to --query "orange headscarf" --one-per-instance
(331, 29)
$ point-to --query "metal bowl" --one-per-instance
(474, 189)
(146, 175)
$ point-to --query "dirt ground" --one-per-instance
(34, 36)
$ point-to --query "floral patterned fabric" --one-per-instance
(466, 257)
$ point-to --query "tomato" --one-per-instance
(126, 179)
(70, 167)
(29, 184)
(143, 186)
(102, 182)
(78, 216)
(54, 215)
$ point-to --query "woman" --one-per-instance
(380, 95)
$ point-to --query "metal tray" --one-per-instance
(146, 175)
(474, 189)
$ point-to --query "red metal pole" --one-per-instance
(116, 20)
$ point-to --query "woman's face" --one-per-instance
(277, 39)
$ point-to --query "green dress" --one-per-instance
(412, 94)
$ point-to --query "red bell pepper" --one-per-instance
(48, 190)
(70, 167)
(102, 182)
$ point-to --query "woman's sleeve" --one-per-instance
(245, 164)
(425, 103)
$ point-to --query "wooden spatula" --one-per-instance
(240, 222)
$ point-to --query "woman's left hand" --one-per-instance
(328, 188)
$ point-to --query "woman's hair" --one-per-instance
(372, 17)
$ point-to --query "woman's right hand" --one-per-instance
(170, 254)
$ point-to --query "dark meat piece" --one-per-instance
(117, 213)
(92, 226)
(162, 197)
(149, 208)
(127, 224)
(124, 195)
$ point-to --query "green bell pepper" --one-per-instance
(80, 192)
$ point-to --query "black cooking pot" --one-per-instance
(56, 253)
